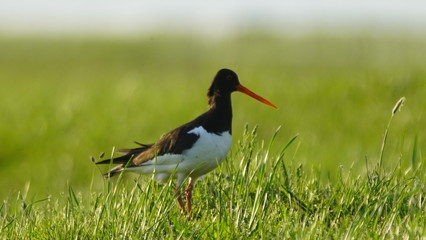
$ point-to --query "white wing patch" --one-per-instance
(198, 131)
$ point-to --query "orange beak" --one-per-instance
(244, 90)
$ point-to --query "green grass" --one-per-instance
(348, 173)
(260, 198)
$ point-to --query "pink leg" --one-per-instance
(179, 199)
(188, 194)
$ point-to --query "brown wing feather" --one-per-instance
(170, 143)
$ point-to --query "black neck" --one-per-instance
(220, 113)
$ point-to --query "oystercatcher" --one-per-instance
(193, 149)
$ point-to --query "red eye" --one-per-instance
(229, 77)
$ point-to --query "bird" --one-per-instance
(193, 149)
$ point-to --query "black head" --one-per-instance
(225, 82)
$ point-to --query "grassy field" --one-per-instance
(64, 100)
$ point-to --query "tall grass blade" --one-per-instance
(414, 152)
(395, 109)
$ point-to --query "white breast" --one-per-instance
(207, 152)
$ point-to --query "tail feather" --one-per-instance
(131, 150)
(114, 171)
(143, 145)
(128, 154)
(119, 160)
(124, 160)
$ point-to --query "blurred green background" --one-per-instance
(65, 99)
